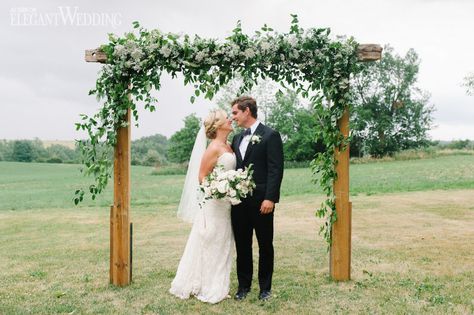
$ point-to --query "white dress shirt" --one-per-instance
(246, 140)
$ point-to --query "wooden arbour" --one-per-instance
(120, 239)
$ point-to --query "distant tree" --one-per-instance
(41, 154)
(296, 124)
(181, 143)
(149, 150)
(58, 153)
(153, 158)
(54, 160)
(390, 113)
(23, 151)
(469, 84)
(460, 144)
(282, 111)
(6, 150)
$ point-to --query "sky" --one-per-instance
(44, 80)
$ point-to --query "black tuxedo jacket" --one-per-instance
(267, 159)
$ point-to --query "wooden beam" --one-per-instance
(369, 52)
(95, 55)
(365, 52)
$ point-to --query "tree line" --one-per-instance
(148, 151)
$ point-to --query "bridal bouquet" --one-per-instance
(231, 185)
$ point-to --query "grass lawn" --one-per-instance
(40, 185)
(412, 241)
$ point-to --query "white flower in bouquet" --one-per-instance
(232, 193)
(234, 201)
(231, 185)
(222, 176)
(232, 174)
(222, 186)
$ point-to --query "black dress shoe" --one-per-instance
(241, 293)
(265, 295)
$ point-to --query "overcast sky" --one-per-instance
(44, 80)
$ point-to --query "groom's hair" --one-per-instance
(244, 102)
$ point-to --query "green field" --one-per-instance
(413, 242)
(38, 186)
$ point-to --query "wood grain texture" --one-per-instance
(369, 52)
(340, 251)
(95, 55)
(120, 218)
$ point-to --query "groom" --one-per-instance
(261, 146)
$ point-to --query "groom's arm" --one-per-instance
(275, 167)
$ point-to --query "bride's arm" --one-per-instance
(208, 161)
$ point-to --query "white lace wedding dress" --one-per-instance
(204, 269)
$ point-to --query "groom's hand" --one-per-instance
(267, 207)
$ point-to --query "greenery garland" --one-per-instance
(307, 61)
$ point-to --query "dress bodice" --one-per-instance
(227, 160)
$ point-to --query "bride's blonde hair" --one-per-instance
(214, 121)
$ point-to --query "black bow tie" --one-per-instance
(247, 132)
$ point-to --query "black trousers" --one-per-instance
(246, 217)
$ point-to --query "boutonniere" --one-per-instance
(255, 139)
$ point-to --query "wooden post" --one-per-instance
(120, 272)
(120, 219)
(340, 251)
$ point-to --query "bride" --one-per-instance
(204, 269)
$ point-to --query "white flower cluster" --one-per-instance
(130, 54)
(255, 139)
(231, 185)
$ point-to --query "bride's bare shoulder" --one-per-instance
(213, 150)
(217, 147)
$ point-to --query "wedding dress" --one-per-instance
(204, 269)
